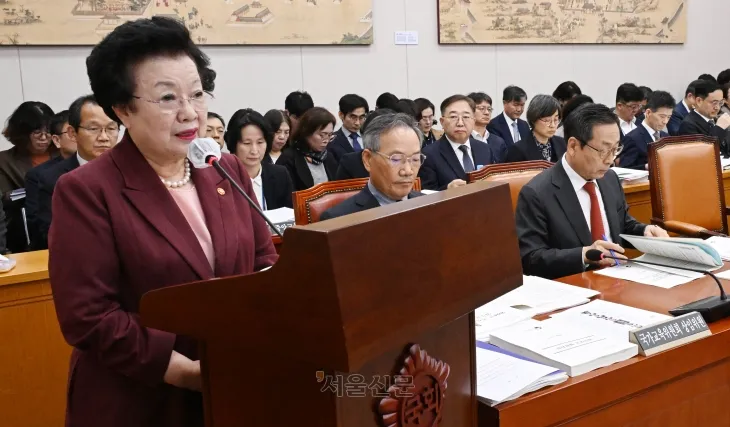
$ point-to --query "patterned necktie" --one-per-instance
(597, 231)
(515, 132)
(355, 145)
(468, 163)
(657, 135)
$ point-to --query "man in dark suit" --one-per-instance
(94, 133)
(706, 118)
(578, 204)
(482, 117)
(353, 112)
(66, 144)
(636, 143)
(628, 103)
(456, 153)
(393, 156)
(682, 109)
(508, 125)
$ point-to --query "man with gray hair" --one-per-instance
(392, 155)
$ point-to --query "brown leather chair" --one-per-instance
(311, 203)
(515, 174)
(687, 192)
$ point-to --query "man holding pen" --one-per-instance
(578, 204)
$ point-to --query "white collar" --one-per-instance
(348, 133)
(701, 115)
(81, 159)
(633, 120)
(686, 106)
(257, 178)
(508, 119)
(456, 145)
(649, 129)
(577, 181)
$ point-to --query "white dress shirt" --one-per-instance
(258, 188)
(349, 139)
(650, 130)
(475, 135)
(81, 160)
(459, 153)
(707, 119)
(510, 124)
(627, 127)
(689, 110)
(585, 199)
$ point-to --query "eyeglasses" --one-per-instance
(96, 130)
(398, 160)
(40, 134)
(554, 121)
(172, 103)
(464, 118)
(607, 154)
(631, 106)
(427, 119)
(717, 104)
(355, 117)
(485, 109)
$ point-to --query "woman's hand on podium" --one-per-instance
(183, 372)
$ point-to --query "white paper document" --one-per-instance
(725, 163)
(610, 319)
(490, 318)
(675, 263)
(502, 376)
(644, 275)
(280, 216)
(690, 250)
(427, 192)
(721, 245)
(625, 174)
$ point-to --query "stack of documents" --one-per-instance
(539, 296)
(630, 175)
(562, 345)
(503, 376)
(721, 245)
(282, 218)
(492, 317)
(677, 252)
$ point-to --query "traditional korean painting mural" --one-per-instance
(562, 21)
(215, 22)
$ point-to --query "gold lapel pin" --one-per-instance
(222, 192)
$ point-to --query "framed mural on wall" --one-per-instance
(562, 21)
(212, 22)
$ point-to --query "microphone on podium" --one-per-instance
(711, 308)
(205, 152)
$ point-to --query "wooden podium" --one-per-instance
(354, 305)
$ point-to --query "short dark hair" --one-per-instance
(566, 91)
(724, 77)
(212, 115)
(423, 104)
(29, 117)
(629, 92)
(313, 120)
(237, 116)
(514, 94)
(253, 118)
(110, 65)
(373, 115)
(707, 78)
(456, 98)
(646, 90)
(479, 97)
(541, 106)
(352, 102)
(386, 100)
(580, 123)
(574, 103)
(660, 99)
(725, 90)
(406, 106)
(57, 122)
(297, 103)
(74, 111)
(704, 88)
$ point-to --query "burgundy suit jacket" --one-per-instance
(116, 234)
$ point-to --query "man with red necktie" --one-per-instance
(578, 204)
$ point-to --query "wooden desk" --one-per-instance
(33, 355)
(639, 198)
(686, 386)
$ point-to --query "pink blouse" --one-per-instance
(189, 203)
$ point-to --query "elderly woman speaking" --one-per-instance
(137, 219)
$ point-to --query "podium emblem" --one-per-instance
(418, 401)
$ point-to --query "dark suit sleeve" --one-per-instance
(631, 154)
(342, 172)
(499, 149)
(44, 214)
(538, 258)
(31, 205)
(674, 122)
(687, 127)
(494, 129)
(514, 154)
(84, 270)
(429, 176)
(288, 189)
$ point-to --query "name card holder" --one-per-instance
(671, 333)
(282, 226)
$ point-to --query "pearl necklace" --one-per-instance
(179, 183)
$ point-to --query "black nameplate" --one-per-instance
(670, 333)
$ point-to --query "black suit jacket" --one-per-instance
(277, 186)
(526, 150)
(46, 184)
(636, 146)
(498, 147)
(675, 121)
(552, 229)
(361, 201)
(351, 167)
(31, 197)
(296, 165)
(442, 166)
(340, 146)
(695, 124)
(499, 126)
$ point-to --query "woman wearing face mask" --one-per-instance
(250, 139)
(281, 125)
(307, 160)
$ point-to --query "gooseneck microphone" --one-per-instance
(711, 308)
(205, 152)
